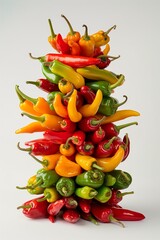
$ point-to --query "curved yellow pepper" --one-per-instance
(74, 115)
(89, 110)
(110, 163)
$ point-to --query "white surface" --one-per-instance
(24, 29)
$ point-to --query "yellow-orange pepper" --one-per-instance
(65, 86)
(49, 161)
(53, 37)
(74, 115)
(31, 128)
(58, 106)
(87, 44)
(67, 149)
(47, 120)
(86, 162)
(67, 168)
(110, 163)
(119, 115)
(89, 110)
(106, 49)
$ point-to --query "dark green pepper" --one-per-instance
(92, 178)
(86, 192)
(109, 105)
(65, 186)
(104, 194)
(104, 86)
(52, 77)
(123, 179)
(46, 178)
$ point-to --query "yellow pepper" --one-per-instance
(67, 168)
(74, 115)
(119, 115)
(89, 110)
(110, 163)
(50, 194)
(31, 128)
(65, 86)
(58, 106)
(86, 162)
(106, 49)
(87, 44)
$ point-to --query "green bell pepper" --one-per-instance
(92, 178)
(123, 179)
(46, 178)
(65, 186)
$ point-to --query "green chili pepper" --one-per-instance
(86, 192)
(65, 186)
(123, 179)
(46, 178)
(104, 194)
(109, 180)
(109, 105)
(52, 77)
(50, 194)
(104, 86)
(92, 178)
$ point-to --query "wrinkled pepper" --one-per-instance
(123, 179)
(65, 186)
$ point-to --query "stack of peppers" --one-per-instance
(80, 149)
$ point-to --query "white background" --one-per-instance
(24, 28)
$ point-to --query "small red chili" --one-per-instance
(71, 215)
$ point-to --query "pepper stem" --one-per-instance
(47, 196)
(24, 96)
(125, 193)
(86, 36)
(119, 82)
(23, 188)
(113, 58)
(72, 32)
(19, 95)
(114, 220)
(23, 149)
(97, 122)
(94, 165)
(25, 206)
(39, 161)
(92, 193)
(53, 35)
(120, 104)
(108, 144)
(37, 84)
(109, 30)
(40, 118)
(118, 128)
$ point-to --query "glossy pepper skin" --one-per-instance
(117, 196)
(92, 178)
(57, 137)
(52, 77)
(55, 207)
(123, 214)
(50, 194)
(109, 105)
(87, 44)
(105, 148)
(104, 194)
(44, 84)
(86, 192)
(88, 124)
(97, 136)
(65, 186)
(123, 179)
(88, 94)
(52, 37)
(86, 148)
(34, 209)
(46, 178)
(71, 215)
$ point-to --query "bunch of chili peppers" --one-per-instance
(81, 148)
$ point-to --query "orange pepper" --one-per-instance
(67, 149)
(58, 106)
(52, 38)
(31, 128)
(65, 86)
(87, 44)
(67, 168)
(75, 48)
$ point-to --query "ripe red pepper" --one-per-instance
(61, 45)
(84, 204)
(55, 207)
(112, 130)
(88, 217)
(104, 213)
(117, 197)
(79, 99)
(35, 209)
(67, 125)
(123, 214)
(105, 148)
(57, 137)
(41, 147)
(105, 61)
(77, 138)
(88, 124)
(45, 85)
(97, 136)
(70, 202)
(88, 94)
(125, 143)
(86, 148)
(71, 215)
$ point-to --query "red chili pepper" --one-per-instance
(88, 94)
(77, 137)
(112, 130)
(117, 197)
(57, 137)
(88, 217)
(123, 214)
(86, 148)
(71, 215)
(105, 61)
(104, 213)
(79, 99)
(88, 124)
(97, 136)
(61, 45)
(84, 204)
(41, 147)
(45, 85)
(67, 125)
(97, 51)
(70, 202)
(105, 148)
(35, 209)
(55, 207)
(125, 143)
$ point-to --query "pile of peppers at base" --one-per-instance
(80, 151)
